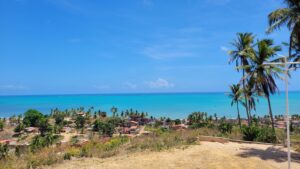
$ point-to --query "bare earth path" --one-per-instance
(207, 155)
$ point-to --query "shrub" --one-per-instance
(19, 127)
(250, 132)
(67, 156)
(197, 125)
(266, 134)
(1, 125)
(104, 128)
(225, 127)
(32, 118)
(177, 121)
(39, 141)
(256, 133)
(3, 151)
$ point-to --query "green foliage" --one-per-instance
(116, 121)
(197, 117)
(32, 118)
(39, 141)
(19, 127)
(44, 126)
(250, 132)
(80, 122)
(225, 127)
(266, 134)
(104, 128)
(256, 133)
(1, 125)
(177, 121)
(59, 118)
(67, 156)
(3, 151)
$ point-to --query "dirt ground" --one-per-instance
(207, 155)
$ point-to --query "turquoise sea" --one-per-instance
(175, 105)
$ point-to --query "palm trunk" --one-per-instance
(270, 112)
(246, 101)
(239, 117)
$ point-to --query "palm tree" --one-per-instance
(243, 45)
(249, 93)
(263, 76)
(289, 16)
(236, 96)
(114, 110)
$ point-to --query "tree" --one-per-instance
(240, 55)
(262, 75)
(59, 118)
(114, 110)
(44, 126)
(104, 128)
(288, 16)
(236, 98)
(32, 118)
(1, 125)
(19, 127)
(80, 121)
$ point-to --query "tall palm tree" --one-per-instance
(288, 16)
(236, 96)
(243, 45)
(249, 94)
(263, 76)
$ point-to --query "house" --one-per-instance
(134, 123)
(31, 129)
(179, 127)
(296, 123)
(244, 122)
(5, 141)
(280, 124)
(81, 113)
(124, 130)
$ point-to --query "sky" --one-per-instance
(132, 46)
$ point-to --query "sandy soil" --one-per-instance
(207, 155)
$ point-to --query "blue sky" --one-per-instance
(81, 46)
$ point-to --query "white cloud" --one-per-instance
(12, 87)
(131, 85)
(160, 83)
(223, 48)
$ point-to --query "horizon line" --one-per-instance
(127, 93)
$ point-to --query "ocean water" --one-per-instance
(176, 105)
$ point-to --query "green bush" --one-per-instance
(197, 125)
(261, 134)
(225, 127)
(104, 128)
(32, 118)
(1, 125)
(67, 156)
(266, 134)
(3, 151)
(250, 132)
(19, 127)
